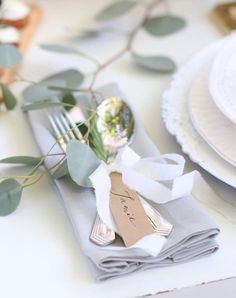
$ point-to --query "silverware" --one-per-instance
(101, 234)
(159, 224)
(65, 129)
(115, 136)
(115, 123)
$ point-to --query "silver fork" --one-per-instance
(65, 129)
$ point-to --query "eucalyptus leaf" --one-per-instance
(59, 49)
(41, 105)
(68, 79)
(10, 195)
(89, 33)
(92, 32)
(36, 92)
(82, 162)
(61, 171)
(63, 89)
(70, 100)
(71, 77)
(115, 10)
(23, 160)
(164, 25)
(9, 56)
(8, 97)
(159, 64)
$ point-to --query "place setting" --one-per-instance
(138, 221)
(198, 108)
(145, 218)
(132, 208)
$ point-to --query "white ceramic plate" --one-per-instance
(215, 128)
(222, 79)
(177, 120)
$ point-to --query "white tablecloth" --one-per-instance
(39, 256)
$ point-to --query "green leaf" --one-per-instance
(9, 56)
(8, 97)
(83, 128)
(115, 10)
(46, 104)
(164, 25)
(63, 89)
(37, 93)
(70, 100)
(59, 49)
(155, 63)
(90, 33)
(10, 195)
(23, 160)
(61, 171)
(70, 78)
(96, 143)
(82, 162)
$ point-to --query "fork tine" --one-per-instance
(61, 128)
(73, 125)
(54, 126)
(56, 132)
(67, 127)
(63, 125)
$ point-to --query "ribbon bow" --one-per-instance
(144, 176)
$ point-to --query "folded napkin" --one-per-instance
(193, 231)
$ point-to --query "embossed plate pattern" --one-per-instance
(177, 119)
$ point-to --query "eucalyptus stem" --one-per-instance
(89, 58)
(128, 47)
(90, 126)
(17, 177)
(43, 173)
(32, 183)
(33, 171)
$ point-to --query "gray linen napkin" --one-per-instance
(193, 231)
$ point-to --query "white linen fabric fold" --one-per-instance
(193, 233)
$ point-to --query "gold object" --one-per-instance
(27, 33)
(224, 15)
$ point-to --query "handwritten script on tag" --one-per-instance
(128, 212)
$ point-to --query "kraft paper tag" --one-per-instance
(128, 212)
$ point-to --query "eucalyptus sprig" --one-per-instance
(155, 25)
(60, 89)
(78, 162)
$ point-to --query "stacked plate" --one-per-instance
(199, 108)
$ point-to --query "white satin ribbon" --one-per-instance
(142, 175)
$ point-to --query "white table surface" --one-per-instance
(39, 256)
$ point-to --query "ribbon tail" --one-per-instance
(155, 191)
(102, 185)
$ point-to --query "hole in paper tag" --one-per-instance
(128, 212)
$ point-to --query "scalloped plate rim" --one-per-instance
(165, 113)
